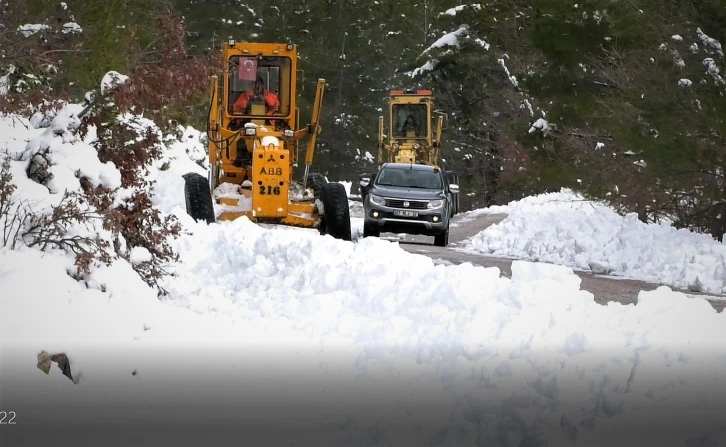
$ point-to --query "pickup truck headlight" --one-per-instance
(434, 204)
(377, 200)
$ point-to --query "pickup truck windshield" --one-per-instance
(409, 178)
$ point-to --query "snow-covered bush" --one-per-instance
(67, 225)
(87, 190)
(89, 163)
(131, 144)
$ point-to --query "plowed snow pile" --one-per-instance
(290, 338)
(563, 228)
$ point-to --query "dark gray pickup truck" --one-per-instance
(411, 199)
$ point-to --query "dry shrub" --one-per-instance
(55, 229)
(159, 82)
(174, 79)
(167, 81)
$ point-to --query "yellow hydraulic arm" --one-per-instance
(314, 128)
(437, 141)
(213, 131)
(380, 139)
(439, 127)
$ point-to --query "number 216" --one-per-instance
(270, 190)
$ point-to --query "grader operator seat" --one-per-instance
(409, 128)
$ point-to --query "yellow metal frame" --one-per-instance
(410, 150)
(271, 167)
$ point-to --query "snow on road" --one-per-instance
(563, 228)
(363, 342)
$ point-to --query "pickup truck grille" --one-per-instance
(412, 204)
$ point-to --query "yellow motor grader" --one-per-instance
(411, 137)
(414, 136)
(254, 136)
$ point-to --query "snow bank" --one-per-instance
(379, 339)
(123, 344)
(563, 228)
(565, 199)
(67, 157)
(182, 153)
(348, 343)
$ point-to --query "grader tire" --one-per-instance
(315, 181)
(336, 217)
(198, 197)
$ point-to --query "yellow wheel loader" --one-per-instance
(254, 136)
(414, 137)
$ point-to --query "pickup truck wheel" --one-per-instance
(336, 217)
(442, 239)
(198, 197)
(369, 231)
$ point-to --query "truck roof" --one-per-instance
(417, 167)
(419, 92)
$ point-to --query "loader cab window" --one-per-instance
(259, 86)
(410, 120)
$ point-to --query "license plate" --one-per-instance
(405, 213)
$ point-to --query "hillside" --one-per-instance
(619, 100)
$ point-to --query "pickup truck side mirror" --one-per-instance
(454, 188)
(365, 179)
(365, 182)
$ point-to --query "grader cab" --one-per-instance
(254, 140)
(414, 136)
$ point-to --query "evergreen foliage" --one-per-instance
(632, 91)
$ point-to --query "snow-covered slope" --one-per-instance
(564, 228)
(350, 343)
